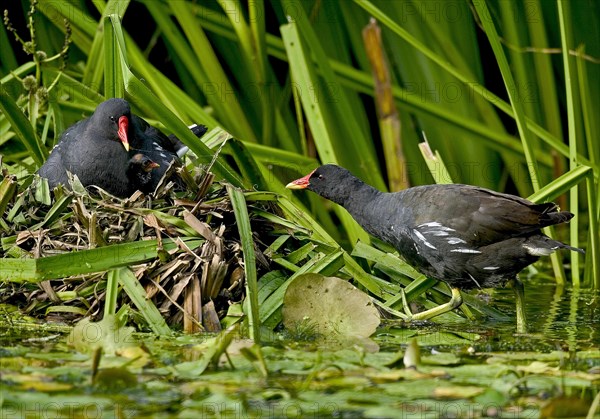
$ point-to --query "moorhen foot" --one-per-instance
(97, 150)
(465, 236)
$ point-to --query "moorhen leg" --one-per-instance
(455, 302)
(519, 290)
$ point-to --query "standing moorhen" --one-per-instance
(96, 150)
(463, 235)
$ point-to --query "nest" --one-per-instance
(192, 286)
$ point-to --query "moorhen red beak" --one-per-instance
(465, 236)
(301, 183)
(123, 126)
(150, 166)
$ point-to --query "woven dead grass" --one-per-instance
(203, 281)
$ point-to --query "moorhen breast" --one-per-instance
(466, 236)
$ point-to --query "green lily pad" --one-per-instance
(334, 308)
(87, 336)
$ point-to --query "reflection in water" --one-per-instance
(566, 318)
(558, 318)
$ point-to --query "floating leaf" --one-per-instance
(458, 392)
(336, 308)
(566, 407)
(86, 336)
(537, 367)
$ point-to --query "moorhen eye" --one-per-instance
(466, 236)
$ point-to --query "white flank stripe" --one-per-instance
(423, 239)
(435, 226)
(431, 224)
(465, 250)
(436, 233)
(182, 151)
(538, 251)
(474, 280)
(455, 240)
(491, 268)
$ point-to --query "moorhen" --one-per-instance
(139, 173)
(160, 148)
(97, 149)
(465, 236)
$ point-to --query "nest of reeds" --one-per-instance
(193, 284)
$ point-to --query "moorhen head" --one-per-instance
(160, 148)
(111, 120)
(139, 172)
(466, 236)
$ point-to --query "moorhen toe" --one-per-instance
(466, 236)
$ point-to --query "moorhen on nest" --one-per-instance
(97, 150)
(161, 149)
(466, 236)
(139, 172)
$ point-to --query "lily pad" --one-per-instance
(334, 308)
(108, 334)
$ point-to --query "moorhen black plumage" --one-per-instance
(160, 148)
(95, 149)
(466, 236)
(98, 149)
(139, 173)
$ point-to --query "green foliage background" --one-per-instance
(504, 91)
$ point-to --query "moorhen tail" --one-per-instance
(97, 150)
(139, 173)
(466, 236)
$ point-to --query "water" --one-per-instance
(470, 369)
(556, 315)
(557, 318)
